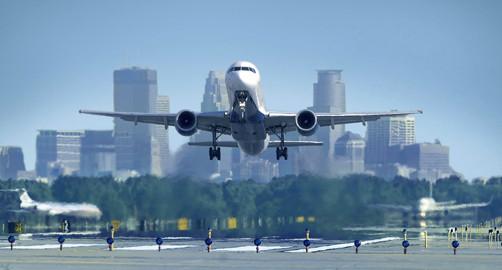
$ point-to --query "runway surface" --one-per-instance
(186, 253)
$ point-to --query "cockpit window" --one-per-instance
(241, 68)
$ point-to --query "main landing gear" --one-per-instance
(281, 150)
(215, 151)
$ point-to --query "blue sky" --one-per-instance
(444, 57)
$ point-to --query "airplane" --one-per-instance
(428, 205)
(24, 203)
(247, 121)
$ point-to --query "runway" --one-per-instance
(142, 253)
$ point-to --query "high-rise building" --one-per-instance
(349, 154)
(160, 145)
(135, 90)
(46, 151)
(97, 153)
(329, 97)
(215, 98)
(69, 150)
(79, 152)
(430, 160)
(11, 162)
(215, 93)
(386, 132)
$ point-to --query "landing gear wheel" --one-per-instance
(218, 153)
(281, 152)
(211, 153)
(214, 153)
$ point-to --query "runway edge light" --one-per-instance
(159, 241)
(357, 244)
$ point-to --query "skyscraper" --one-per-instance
(386, 132)
(46, 151)
(349, 154)
(329, 97)
(215, 98)
(135, 90)
(215, 93)
(80, 152)
(160, 145)
(431, 160)
(11, 162)
(97, 153)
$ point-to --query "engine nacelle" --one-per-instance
(306, 122)
(186, 123)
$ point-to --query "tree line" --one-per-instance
(333, 202)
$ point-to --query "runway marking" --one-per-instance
(344, 245)
(251, 248)
(52, 246)
(155, 247)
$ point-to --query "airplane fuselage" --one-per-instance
(247, 111)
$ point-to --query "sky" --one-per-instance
(444, 57)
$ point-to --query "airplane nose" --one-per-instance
(247, 79)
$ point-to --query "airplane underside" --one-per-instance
(248, 129)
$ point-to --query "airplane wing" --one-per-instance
(205, 121)
(460, 206)
(392, 207)
(270, 144)
(276, 120)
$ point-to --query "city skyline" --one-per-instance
(404, 65)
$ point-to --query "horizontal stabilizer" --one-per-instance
(294, 143)
(220, 144)
(270, 144)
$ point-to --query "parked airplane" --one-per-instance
(428, 205)
(20, 201)
(249, 123)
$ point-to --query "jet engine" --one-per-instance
(186, 123)
(306, 122)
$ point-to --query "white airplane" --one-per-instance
(26, 203)
(247, 121)
(428, 205)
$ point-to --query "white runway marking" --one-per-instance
(52, 246)
(154, 247)
(344, 245)
(251, 248)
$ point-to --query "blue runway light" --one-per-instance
(159, 241)
(257, 242)
(110, 241)
(406, 243)
(306, 242)
(357, 243)
(11, 239)
(208, 241)
(455, 244)
(61, 239)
